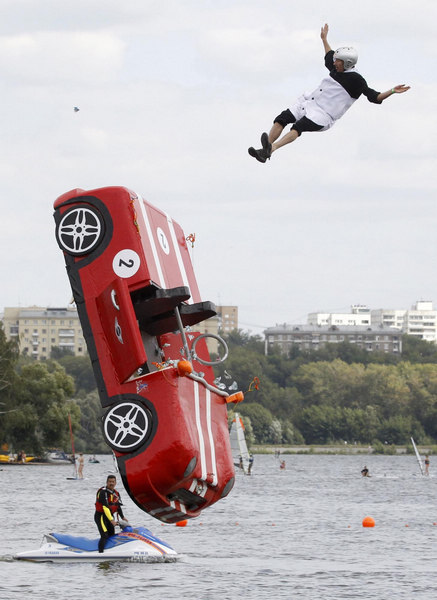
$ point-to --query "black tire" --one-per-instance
(127, 425)
(80, 230)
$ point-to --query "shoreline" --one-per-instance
(338, 449)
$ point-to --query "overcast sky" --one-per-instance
(171, 94)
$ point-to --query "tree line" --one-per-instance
(36, 399)
(336, 394)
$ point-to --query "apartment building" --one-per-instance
(313, 337)
(359, 315)
(228, 318)
(420, 320)
(224, 322)
(38, 329)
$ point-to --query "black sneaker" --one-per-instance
(258, 154)
(267, 147)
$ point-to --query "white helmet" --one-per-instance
(348, 55)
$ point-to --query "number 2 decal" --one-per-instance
(129, 264)
(162, 239)
(126, 263)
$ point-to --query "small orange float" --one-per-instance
(184, 368)
(368, 522)
(182, 523)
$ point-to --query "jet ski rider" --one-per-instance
(108, 504)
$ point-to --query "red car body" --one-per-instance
(136, 296)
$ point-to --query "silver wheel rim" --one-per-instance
(126, 426)
(79, 230)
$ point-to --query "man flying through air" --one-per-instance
(319, 110)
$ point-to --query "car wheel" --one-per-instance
(127, 425)
(80, 230)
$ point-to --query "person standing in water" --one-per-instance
(427, 465)
(80, 468)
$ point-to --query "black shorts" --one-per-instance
(304, 124)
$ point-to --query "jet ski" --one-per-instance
(133, 544)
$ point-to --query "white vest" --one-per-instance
(331, 97)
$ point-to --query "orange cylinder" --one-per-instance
(237, 397)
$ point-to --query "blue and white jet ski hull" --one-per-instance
(131, 545)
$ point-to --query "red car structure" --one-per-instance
(137, 296)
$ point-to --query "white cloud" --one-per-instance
(54, 57)
(268, 53)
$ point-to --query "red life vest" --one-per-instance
(112, 498)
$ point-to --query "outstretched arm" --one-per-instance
(324, 36)
(398, 89)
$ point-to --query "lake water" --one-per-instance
(293, 534)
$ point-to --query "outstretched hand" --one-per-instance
(400, 89)
(324, 31)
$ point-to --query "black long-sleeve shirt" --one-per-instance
(337, 92)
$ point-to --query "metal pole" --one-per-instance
(182, 332)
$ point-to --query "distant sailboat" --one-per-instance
(240, 453)
(419, 460)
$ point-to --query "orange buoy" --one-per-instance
(182, 523)
(368, 522)
(184, 368)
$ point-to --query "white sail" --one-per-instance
(240, 453)
(419, 460)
